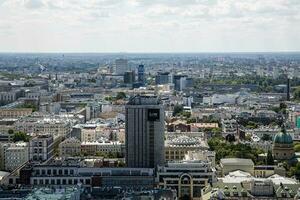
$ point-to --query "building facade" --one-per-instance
(41, 148)
(69, 147)
(187, 177)
(16, 155)
(144, 132)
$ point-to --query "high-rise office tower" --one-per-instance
(129, 77)
(288, 89)
(121, 66)
(141, 74)
(145, 120)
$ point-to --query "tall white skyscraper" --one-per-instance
(145, 120)
(121, 66)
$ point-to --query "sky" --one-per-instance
(149, 25)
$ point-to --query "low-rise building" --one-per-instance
(16, 155)
(91, 148)
(187, 177)
(15, 112)
(232, 164)
(177, 147)
(41, 148)
(70, 147)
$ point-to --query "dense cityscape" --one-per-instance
(201, 126)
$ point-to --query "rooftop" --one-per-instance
(236, 161)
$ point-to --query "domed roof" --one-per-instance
(283, 137)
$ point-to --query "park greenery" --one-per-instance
(296, 93)
(28, 105)
(19, 136)
(119, 96)
(225, 149)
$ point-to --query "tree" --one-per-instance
(177, 109)
(297, 93)
(10, 131)
(186, 114)
(266, 137)
(297, 147)
(120, 95)
(270, 159)
(20, 136)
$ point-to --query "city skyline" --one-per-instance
(149, 26)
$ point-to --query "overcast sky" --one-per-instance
(149, 25)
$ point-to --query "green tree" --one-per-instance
(296, 93)
(20, 136)
(177, 109)
(297, 147)
(270, 159)
(120, 95)
(266, 137)
(10, 131)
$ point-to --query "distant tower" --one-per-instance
(145, 119)
(121, 66)
(141, 74)
(288, 89)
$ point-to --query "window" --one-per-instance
(58, 182)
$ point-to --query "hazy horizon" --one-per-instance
(149, 26)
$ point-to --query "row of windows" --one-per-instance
(61, 181)
(54, 172)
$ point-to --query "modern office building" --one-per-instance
(144, 132)
(179, 82)
(129, 77)
(141, 74)
(162, 78)
(121, 66)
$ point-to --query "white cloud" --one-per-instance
(149, 25)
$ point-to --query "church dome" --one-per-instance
(283, 138)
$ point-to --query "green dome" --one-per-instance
(283, 138)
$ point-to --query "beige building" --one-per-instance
(265, 171)
(15, 112)
(53, 125)
(88, 133)
(91, 148)
(232, 164)
(176, 148)
(69, 147)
